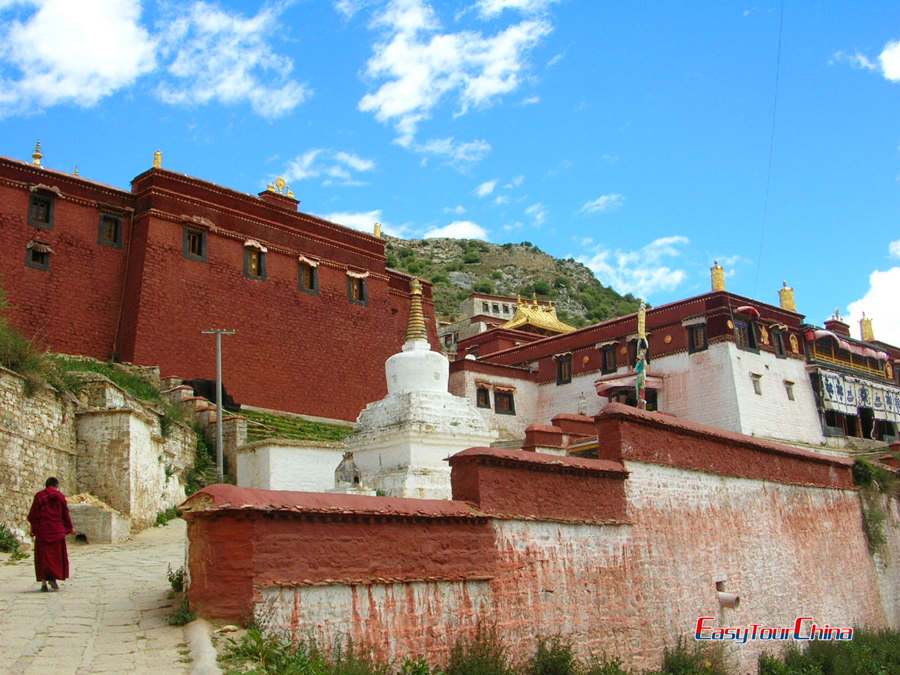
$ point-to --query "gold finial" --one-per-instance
(76, 170)
(290, 193)
(157, 159)
(271, 188)
(786, 297)
(36, 156)
(534, 302)
(280, 187)
(718, 276)
(415, 328)
(378, 230)
(865, 329)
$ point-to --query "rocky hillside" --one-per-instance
(457, 267)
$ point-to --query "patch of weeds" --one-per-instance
(695, 660)
(867, 652)
(205, 471)
(183, 614)
(874, 482)
(176, 578)
(418, 667)
(605, 665)
(554, 656)
(164, 517)
(485, 653)
(10, 544)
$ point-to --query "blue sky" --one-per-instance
(643, 139)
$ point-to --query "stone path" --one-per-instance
(110, 616)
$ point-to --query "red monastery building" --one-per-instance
(136, 276)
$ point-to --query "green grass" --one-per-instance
(205, 471)
(183, 614)
(268, 425)
(869, 653)
(9, 543)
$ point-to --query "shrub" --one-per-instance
(483, 286)
(9, 543)
(183, 615)
(554, 656)
(485, 654)
(695, 660)
(176, 578)
(164, 517)
(471, 257)
(868, 652)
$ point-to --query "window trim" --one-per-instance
(487, 395)
(756, 381)
(29, 252)
(364, 290)
(604, 351)
(512, 402)
(101, 231)
(561, 362)
(51, 209)
(753, 343)
(692, 347)
(261, 253)
(789, 390)
(314, 276)
(204, 244)
(777, 337)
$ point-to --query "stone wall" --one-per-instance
(106, 443)
(37, 440)
(622, 554)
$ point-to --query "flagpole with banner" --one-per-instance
(640, 366)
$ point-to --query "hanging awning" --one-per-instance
(847, 394)
(612, 384)
(747, 309)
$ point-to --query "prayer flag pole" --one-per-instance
(640, 365)
(219, 332)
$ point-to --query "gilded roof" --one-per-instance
(538, 317)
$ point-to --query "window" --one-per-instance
(504, 403)
(697, 337)
(609, 359)
(37, 255)
(757, 383)
(789, 389)
(110, 231)
(40, 210)
(778, 344)
(564, 369)
(254, 263)
(309, 278)
(195, 244)
(484, 307)
(496, 308)
(506, 309)
(482, 397)
(744, 334)
(357, 292)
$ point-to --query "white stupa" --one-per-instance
(400, 442)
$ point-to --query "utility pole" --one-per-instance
(219, 332)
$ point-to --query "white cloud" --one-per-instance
(512, 227)
(486, 188)
(222, 57)
(458, 229)
(538, 213)
(364, 221)
(640, 272)
(894, 249)
(501, 199)
(453, 152)
(488, 9)
(334, 167)
(515, 182)
(878, 304)
(418, 66)
(70, 52)
(890, 61)
(531, 100)
(459, 209)
(854, 60)
(603, 203)
(556, 59)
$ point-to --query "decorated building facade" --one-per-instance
(138, 275)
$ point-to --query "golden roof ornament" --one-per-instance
(76, 170)
(786, 297)
(36, 156)
(378, 230)
(415, 328)
(865, 328)
(157, 159)
(718, 276)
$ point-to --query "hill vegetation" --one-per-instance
(458, 267)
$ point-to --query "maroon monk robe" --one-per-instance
(50, 523)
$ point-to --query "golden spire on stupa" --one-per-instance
(36, 156)
(415, 329)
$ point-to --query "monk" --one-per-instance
(50, 523)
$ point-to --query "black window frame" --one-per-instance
(504, 396)
(102, 239)
(750, 326)
(564, 374)
(605, 353)
(778, 343)
(44, 264)
(313, 275)
(261, 263)
(204, 244)
(693, 331)
(48, 197)
(756, 381)
(364, 290)
(789, 390)
(486, 393)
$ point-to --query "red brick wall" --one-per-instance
(316, 354)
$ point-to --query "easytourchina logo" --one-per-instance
(803, 629)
